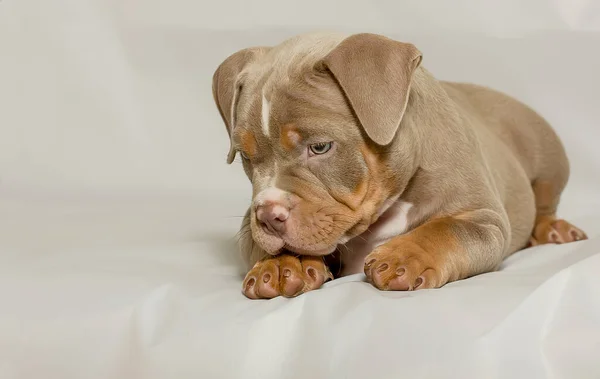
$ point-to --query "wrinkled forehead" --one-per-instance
(308, 104)
(282, 85)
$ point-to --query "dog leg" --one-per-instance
(548, 228)
(439, 251)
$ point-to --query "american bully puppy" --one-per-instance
(356, 152)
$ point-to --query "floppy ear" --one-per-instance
(225, 87)
(375, 74)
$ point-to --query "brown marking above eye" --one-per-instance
(248, 142)
(290, 138)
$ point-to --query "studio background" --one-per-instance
(118, 212)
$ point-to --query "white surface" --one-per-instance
(118, 212)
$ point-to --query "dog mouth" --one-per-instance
(275, 242)
(301, 235)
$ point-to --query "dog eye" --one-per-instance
(320, 148)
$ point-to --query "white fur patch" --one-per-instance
(265, 111)
(270, 195)
(392, 223)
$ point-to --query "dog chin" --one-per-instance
(275, 245)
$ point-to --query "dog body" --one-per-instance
(356, 152)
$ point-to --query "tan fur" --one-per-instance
(437, 252)
(478, 168)
(248, 143)
(290, 139)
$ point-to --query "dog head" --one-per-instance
(315, 120)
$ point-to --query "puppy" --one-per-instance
(356, 152)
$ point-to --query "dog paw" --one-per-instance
(401, 268)
(557, 232)
(285, 275)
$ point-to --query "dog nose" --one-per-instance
(272, 217)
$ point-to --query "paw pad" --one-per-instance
(285, 275)
(399, 271)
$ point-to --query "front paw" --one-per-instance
(402, 267)
(285, 275)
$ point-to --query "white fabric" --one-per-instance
(118, 213)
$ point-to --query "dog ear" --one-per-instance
(226, 87)
(375, 73)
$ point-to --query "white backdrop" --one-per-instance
(118, 212)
